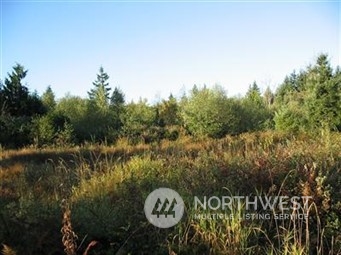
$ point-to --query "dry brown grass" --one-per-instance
(69, 238)
(6, 250)
(8, 177)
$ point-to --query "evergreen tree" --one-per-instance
(15, 95)
(292, 84)
(321, 71)
(48, 99)
(117, 99)
(254, 112)
(324, 98)
(17, 107)
(168, 111)
(117, 102)
(16, 99)
(100, 94)
(311, 99)
(253, 94)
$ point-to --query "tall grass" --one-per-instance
(106, 186)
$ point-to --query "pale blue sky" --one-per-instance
(153, 48)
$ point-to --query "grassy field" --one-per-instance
(64, 200)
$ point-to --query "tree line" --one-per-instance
(306, 101)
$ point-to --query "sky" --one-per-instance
(153, 48)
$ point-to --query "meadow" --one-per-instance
(89, 199)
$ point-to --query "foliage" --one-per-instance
(269, 97)
(168, 112)
(137, 120)
(100, 94)
(324, 101)
(208, 112)
(53, 128)
(17, 106)
(48, 99)
(15, 131)
(117, 107)
(291, 118)
(117, 100)
(44, 130)
(310, 100)
(77, 111)
(15, 97)
(254, 95)
(255, 111)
